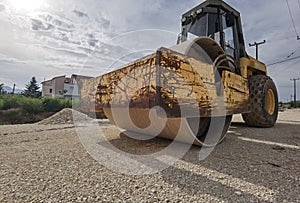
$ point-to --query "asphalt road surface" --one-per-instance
(48, 163)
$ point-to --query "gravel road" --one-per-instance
(47, 163)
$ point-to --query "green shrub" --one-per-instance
(28, 105)
(65, 103)
(55, 104)
(21, 109)
(31, 105)
(1, 104)
(50, 104)
(10, 101)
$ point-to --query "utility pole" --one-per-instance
(14, 87)
(256, 44)
(295, 90)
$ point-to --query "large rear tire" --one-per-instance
(263, 102)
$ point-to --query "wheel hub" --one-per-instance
(270, 102)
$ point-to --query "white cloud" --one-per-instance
(72, 36)
(2, 7)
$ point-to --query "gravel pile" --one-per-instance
(65, 116)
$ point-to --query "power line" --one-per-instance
(278, 62)
(290, 55)
(293, 22)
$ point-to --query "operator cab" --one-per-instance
(217, 20)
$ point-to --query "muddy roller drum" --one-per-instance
(177, 93)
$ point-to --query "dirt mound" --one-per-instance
(65, 116)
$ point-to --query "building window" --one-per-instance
(50, 90)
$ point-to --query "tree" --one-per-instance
(31, 89)
(62, 92)
(1, 88)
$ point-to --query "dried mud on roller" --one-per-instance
(178, 87)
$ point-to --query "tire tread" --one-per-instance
(257, 116)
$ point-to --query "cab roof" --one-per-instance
(211, 3)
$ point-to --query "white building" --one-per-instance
(62, 86)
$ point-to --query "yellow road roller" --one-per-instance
(189, 92)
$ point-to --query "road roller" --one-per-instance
(190, 91)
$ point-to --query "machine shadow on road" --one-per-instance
(280, 134)
(139, 147)
(246, 160)
(251, 163)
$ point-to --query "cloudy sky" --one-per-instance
(47, 38)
